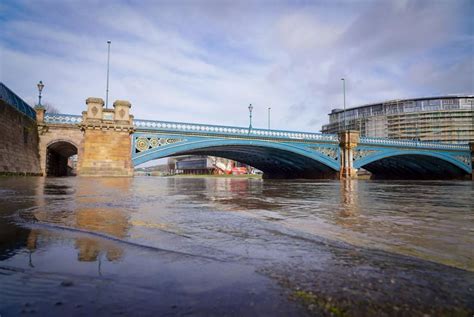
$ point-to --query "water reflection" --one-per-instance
(111, 221)
(349, 198)
(85, 206)
(423, 219)
(119, 227)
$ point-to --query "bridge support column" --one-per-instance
(348, 140)
(471, 146)
(107, 141)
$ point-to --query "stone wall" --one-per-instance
(107, 144)
(18, 142)
(106, 153)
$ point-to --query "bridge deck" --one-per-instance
(242, 132)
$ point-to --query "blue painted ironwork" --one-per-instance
(323, 148)
(364, 155)
(166, 126)
(62, 119)
(410, 143)
(16, 102)
(148, 146)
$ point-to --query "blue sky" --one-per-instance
(205, 61)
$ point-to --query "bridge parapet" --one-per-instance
(166, 126)
(409, 143)
(62, 119)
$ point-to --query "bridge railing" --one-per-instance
(16, 102)
(229, 130)
(410, 143)
(62, 118)
(167, 126)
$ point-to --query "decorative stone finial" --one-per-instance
(124, 103)
(95, 107)
(95, 100)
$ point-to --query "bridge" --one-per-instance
(110, 142)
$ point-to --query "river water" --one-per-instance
(236, 247)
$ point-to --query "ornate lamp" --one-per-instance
(250, 116)
(40, 89)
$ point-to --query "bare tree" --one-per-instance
(50, 108)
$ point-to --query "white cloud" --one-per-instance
(205, 62)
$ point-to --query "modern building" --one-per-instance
(447, 119)
(201, 164)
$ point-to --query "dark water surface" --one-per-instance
(246, 247)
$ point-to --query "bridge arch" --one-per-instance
(276, 160)
(414, 164)
(60, 156)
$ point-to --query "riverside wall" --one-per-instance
(18, 142)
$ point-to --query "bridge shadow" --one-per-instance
(414, 167)
(274, 163)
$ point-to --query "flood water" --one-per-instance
(236, 247)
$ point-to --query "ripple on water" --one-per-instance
(296, 231)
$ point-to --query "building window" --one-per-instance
(448, 102)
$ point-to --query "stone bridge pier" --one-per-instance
(107, 143)
(348, 141)
(471, 147)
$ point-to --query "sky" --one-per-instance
(206, 61)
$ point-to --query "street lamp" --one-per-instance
(344, 92)
(40, 89)
(269, 109)
(250, 116)
(108, 63)
(472, 116)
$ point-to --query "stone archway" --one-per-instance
(61, 158)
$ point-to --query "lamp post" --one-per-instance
(40, 89)
(269, 109)
(108, 63)
(472, 116)
(344, 92)
(250, 116)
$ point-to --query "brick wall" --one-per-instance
(18, 142)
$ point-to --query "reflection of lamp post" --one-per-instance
(40, 89)
(250, 116)
(30, 259)
(269, 117)
(99, 266)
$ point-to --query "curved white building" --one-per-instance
(441, 119)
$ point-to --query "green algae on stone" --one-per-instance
(311, 301)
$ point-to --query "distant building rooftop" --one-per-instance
(337, 110)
